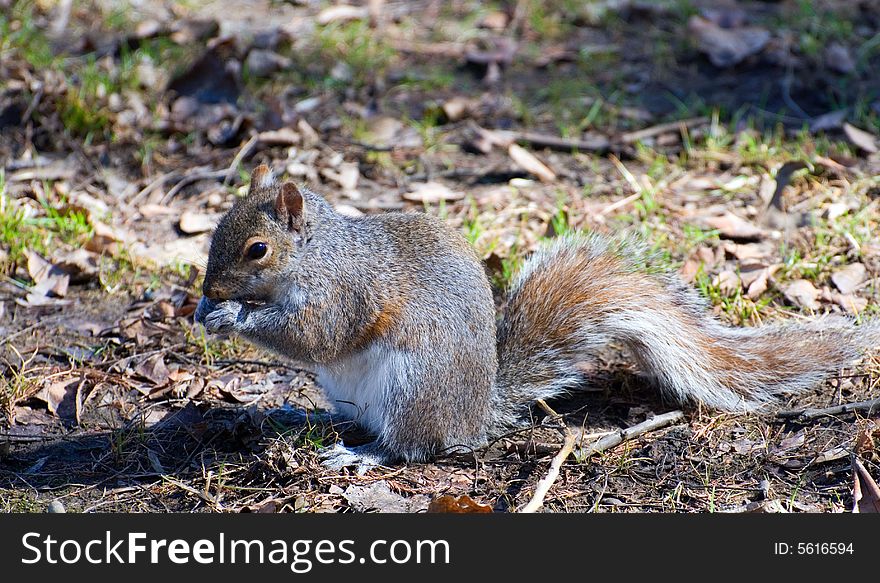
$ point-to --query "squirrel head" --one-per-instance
(256, 240)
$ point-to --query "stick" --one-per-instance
(632, 137)
(244, 151)
(808, 414)
(547, 481)
(600, 144)
(193, 177)
(618, 437)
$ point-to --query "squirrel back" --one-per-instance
(395, 314)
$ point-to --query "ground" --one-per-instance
(127, 129)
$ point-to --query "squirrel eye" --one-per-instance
(257, 251)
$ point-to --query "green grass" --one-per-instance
(21, 230)
(20, 34)
(359, 47)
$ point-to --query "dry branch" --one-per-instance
(808, 414)
(544, 485)
(618, 437)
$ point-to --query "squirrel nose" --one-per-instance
(213, 291)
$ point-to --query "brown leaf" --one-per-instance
(154, 370)
(851, 304)
(802, 293)
(727, 282)
(462, 505)
(861, 138)
(63, 398)
(733, 227)
(867, 438)
(866, 493)
(848, 279)
(528, 162)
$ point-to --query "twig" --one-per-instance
(151, 186)
(190, 178)
(544, 485)
(600, 144)
(618, 437)
(242, 153)
(633, 137)
(808, 414)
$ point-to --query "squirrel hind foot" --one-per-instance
(363, 457)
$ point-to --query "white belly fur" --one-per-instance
(358, 385)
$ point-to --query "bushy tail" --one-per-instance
(582, 292)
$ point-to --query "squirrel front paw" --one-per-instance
(204, 308)
(222, 318)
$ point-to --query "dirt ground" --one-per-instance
(126, 130)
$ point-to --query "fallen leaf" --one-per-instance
(80, 265)
(460, 505)
(867, 438)
(727, 282)
(378, 496)
(48, 279)
(63, 398)
(528, 162)
(154, 370)
(731, 226)
(861, 138)
(866, 493)
(759, 285)
(802, 293)
(726, 47)
(848, 279)
(851, 304)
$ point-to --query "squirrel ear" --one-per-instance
(261, 177)
(289, 206)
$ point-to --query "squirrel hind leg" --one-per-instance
(362, 457)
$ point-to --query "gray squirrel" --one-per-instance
(395, 314)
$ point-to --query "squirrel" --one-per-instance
(395, 314)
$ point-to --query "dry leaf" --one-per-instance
(528, 162)
(866, 493)
(848, 279)
(461, 505)
(727, 281)
(154, 370)
(733, 227)
(861, 138)
(378, 496)
(727, 46)
(802, 293)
